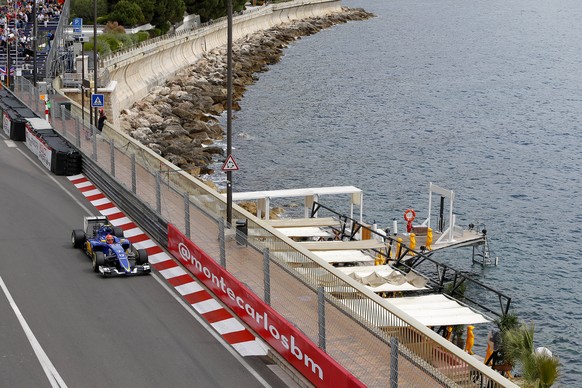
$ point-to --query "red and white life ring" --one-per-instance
(409, 215)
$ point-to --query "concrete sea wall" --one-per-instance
(136, 71)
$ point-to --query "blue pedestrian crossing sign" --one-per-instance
(97, 101)
(77, 25)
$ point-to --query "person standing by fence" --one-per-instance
(101, 120)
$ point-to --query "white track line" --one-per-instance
(48, 367)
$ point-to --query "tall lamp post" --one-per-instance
(34, 42)
(95, 53)
(229, 113)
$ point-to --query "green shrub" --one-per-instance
(155, 32)
(141, 36)
(102, 47)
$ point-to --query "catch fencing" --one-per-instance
(381, 346)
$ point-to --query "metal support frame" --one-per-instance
(133, 175)
(393, 362)
(407, 260)
(112, 145)
(77, 133)
(187, 214)
(321, 316)
(222, 238)
(158, 192)
(267, 276)
(94, 156)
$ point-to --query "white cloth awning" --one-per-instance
(423, 308)
(343, 245)
(296, 222)
(382, 274)
(438, 310)
(304, 231)
(349, 256)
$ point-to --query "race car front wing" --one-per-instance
(141, 269)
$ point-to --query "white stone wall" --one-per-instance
(139, 70)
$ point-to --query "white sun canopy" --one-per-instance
(438, 310)
(310, 195)
(431, 310)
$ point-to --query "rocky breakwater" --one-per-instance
(179, 120)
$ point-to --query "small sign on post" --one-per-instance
(77, 28)
(77, 25)
(97, 101)
(229, 164)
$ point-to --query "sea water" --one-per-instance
(481, 97)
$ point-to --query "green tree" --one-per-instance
(540, 370)
(190, 6)
(167, 12)
(213, 9)
(84, 9)
(127, 13)
(148, 8)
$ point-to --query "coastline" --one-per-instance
(179, 120)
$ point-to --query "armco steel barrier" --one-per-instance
(357, 330)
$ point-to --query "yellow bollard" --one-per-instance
(470, 340)
(490, 346)
(449, 333)
(379, 259)
(398, 247)
(428, 239)
(412, 244)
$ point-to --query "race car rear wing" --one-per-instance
(91, 221)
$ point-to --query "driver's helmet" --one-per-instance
(109, 239)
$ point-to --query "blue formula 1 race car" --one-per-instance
(110, 252)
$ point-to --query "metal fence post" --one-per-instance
(158, 193)
(112, 144)
(267, 276)
(393, 362)
(321, 316)
(222, 241)
(133, 177)
(94, 147)
(187, 214)
(77, 133)
(62, 113)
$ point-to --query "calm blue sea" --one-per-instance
(482, 97)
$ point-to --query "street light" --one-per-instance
(34, 42)
(95, 53)
(229, 113)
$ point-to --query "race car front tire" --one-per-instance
(141, 257)
(98, 260)
(77, 238)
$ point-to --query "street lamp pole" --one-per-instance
(229, 113)
(95, 53)
(34, 42)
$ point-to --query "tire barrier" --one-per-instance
(54, 152)
(14, 114)
(20, 123)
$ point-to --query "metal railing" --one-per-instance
(439, 275)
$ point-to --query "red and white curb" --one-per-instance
(184, 282)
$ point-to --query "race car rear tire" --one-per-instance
(77, 238)
(98, 259)
(141, 257)
(118, 232)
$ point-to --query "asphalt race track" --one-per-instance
(86, 331)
